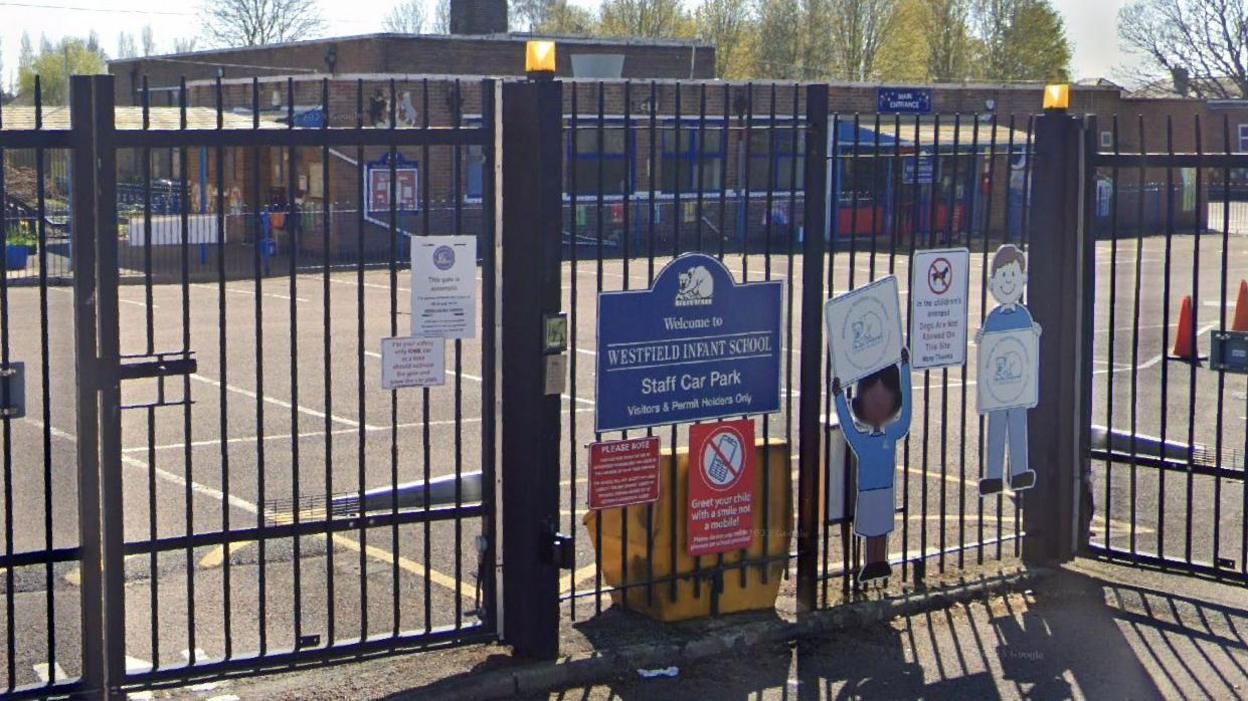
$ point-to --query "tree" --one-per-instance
(72, 56)
(904, 54)
(1021, 40)
(652, 19)
(566, 19)
(125, 46)
(729, 26)
(407, 17)
(530, 15)
(25, 54)
(1200, 44)
(148, 41)
(858, 28)
(260, 22)
(184, 45)
(442, 17)
(779, 42)
(949, 44)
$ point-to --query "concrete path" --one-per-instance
(1094, 631)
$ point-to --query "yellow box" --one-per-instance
(1057, 97)
(754, 595)
(539, 57)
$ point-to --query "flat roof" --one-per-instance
(509, 37)
(22, 117)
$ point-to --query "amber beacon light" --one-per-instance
(539, 58)
(1057, 97)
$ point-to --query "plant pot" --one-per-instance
(15, 257)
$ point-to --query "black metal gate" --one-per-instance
(248, 494)
(1168, 437)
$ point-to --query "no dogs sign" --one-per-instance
(721, 487)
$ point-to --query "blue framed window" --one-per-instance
(787, 158)
(614, 156)
(473, 164)
(686, 148)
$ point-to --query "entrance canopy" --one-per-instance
(930, 135)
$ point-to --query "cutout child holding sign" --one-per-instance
(881, 404)
(865, 346)
(1008, 370)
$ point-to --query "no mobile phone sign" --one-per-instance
(721, 487)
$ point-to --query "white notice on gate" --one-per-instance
(444, 286)
(1009, 370)
(412, 362)
(938, 301)
(864, 330)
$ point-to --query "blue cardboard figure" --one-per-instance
(881, 404)
(1007, 428)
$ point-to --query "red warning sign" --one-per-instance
(623, 473)
(721, 487)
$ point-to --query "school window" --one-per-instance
(781, 167)
(1107, 140)
(473, 165)
(687, 150)
(475, 172)
(591, 163)
(1243, 138)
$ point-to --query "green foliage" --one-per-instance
(54, 64)
(561, 18)
(944, 41)
(731, 27)
(1021, 40)
(650, 19)
(22, 234)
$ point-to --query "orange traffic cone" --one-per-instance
(1183, 349)
(1241, 308)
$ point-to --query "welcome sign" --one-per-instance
(695, 346)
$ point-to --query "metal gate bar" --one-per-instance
(305, 512)
(1142, 441)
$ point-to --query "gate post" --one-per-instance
(97, 359)
(531, 239)
(1060, 287)
(810, 374)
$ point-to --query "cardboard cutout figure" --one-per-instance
(878, 420)
(1008, 372)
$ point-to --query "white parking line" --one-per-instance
(243, 291)
(407, 564)
(123, 300)
(279, 402)
(373, 285)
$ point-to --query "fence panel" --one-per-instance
(42, 557)
(657, 170)
(1168, 434)
(902, 184)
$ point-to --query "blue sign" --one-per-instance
(904, 101)
(694, 346)
(926, 168)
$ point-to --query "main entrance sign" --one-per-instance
(695, 346)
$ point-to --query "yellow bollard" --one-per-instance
(753, 595)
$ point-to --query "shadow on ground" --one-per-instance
(1074, 636)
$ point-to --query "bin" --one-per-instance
(695, 601)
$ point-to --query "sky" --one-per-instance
(1090, 24)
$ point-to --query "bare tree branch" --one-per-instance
(1204, 40)
(259, 22)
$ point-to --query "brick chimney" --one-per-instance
(478, 16)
